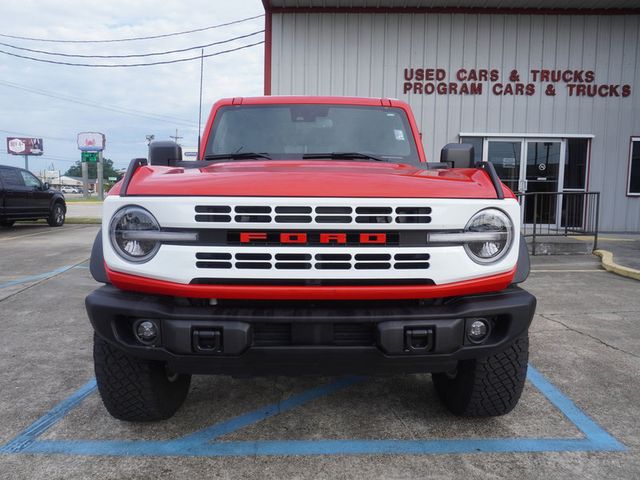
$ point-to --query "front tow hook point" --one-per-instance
(207, 341)
(418, 340)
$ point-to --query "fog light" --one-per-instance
(478, 331)
(146, 331)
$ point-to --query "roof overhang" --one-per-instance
(580, 7)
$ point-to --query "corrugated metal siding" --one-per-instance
(365, 54)
(455, 3)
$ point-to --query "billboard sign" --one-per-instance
(91, 141)
(24, 146)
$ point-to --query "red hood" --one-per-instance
(312, 179)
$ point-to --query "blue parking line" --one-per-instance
(312, 447)
(581, 420)
(228, 426)
(53, 416)
(34, 278)
(200, 443)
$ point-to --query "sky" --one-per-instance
(49, 101)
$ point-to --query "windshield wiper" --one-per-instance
(236, 156)
(343, 155)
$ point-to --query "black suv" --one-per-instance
(24, 197)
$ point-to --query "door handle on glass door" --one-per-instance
(522, 185)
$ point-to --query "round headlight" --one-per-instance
(498, 235)
(127, 234)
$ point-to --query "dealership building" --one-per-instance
(548, 91)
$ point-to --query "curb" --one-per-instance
(611, 266)
(83, 221)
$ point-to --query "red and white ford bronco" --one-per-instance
(311, 236)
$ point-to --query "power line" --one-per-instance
(44, 157)
(55, 158)
(28, 135)
(122, 110)
(70, 138)
(185, 32)
(123, 65)
(139, 55)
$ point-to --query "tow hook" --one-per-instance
(418, 340)
(207, 341)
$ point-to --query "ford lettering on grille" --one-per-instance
(308, 238)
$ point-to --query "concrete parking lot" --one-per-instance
(578, 417)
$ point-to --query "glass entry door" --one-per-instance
(530, 165)
(542, 173)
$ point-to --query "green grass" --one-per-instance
(83, 221)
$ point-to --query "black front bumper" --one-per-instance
(258, 338)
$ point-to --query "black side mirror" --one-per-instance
(164, 152)
(460, 155)
(46, 186)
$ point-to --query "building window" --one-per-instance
(634, 167)
(477, 146)
(575, 163)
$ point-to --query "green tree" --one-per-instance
(76, 169)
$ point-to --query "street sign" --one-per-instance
(91, 141)
(113, 179)
(91, 157)
(24, 146)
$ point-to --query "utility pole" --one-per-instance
(175, 137)
(150, 138)
(85, 179)
(100, 186)
(26, 159)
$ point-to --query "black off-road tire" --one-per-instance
(134, 389)
(57, 215)
(488, 386)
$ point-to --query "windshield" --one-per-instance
(294, 131)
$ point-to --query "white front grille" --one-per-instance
(311, 260)
(300, 214)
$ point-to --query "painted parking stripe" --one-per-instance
(35, 278)
(590, 270)
(53, 416)
(200, 443)
(581, 420)
(43, 276)
(46, 231)
(228, 426)
(313, 447)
